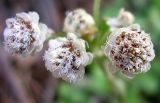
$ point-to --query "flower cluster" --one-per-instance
(24, 34)
(67, 57)
(79, 22)
(130, 50)
(124, 18)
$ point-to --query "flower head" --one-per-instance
(124, 18)
(24, 34)
(67, 57)
(130, 50)
(79, 22)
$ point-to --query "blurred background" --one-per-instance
(28, 81)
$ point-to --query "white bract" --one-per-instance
(130, 50)
(124, 18)
(79, 22)
(67, 57)
(24, 34)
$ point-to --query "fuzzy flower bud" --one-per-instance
(79, 22)
(24, 34)
(130, 50)
(124, 18)
(67, 57)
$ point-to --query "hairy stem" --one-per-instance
(112, 81)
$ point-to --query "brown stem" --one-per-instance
(49, 91)
(12, 80)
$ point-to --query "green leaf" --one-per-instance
(103, 27)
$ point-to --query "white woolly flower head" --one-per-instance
(79, 22)
(67, 57)
(124, 18)
(130, 50)
(24, 34)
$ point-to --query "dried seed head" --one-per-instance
(79, 22)
(130, 50)
(67, 57)
(124, 18)
(24, 34)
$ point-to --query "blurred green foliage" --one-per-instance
(143, 88)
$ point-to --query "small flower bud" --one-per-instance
(124, 18)
(130, 50)
(24, 34)
(79, 22)
(67, 57)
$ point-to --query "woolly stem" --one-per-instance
(101, 60)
